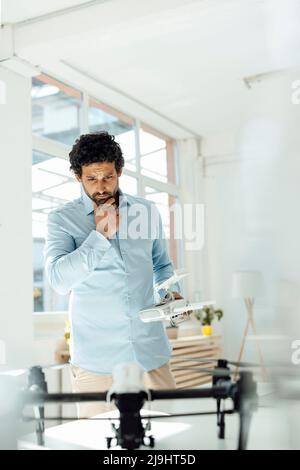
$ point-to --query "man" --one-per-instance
(96, 250)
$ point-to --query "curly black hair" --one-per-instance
(96, 147)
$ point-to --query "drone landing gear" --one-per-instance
(131, 433)
(246, 402)
(37, 383)
(150, 443)
(109, 441)
(222, 363)
(220, 420)
(40, 425)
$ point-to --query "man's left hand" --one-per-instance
(178, 296)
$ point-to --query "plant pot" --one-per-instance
(172, 332)
(207, 330)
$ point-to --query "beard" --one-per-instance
(100, 199)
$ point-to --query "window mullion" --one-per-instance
(84, 121)
(141, 188)
(162, 187)
(50, 147)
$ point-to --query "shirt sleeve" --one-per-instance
(162, 265)
(65, 265)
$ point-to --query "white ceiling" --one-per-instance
(184, 59)
(14, 11)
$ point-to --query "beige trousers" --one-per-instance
(84, 381)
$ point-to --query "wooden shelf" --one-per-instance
(194, 347)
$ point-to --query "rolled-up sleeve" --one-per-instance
(65, 265)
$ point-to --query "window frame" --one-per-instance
(57, 149)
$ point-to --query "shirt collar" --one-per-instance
(88, 203)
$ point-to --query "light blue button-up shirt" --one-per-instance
(110, 281)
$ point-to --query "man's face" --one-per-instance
(100, 181)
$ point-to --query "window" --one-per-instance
(128, 184)
(52, 185)
(56, 110)
(157, 159)
(165, 204)
(102, 118)
(58, 118)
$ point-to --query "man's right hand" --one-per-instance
(107, 218)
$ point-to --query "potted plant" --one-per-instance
(172, 331)
(206, 315)
(62, 353)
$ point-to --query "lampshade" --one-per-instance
(246, 284)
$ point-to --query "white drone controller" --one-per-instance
(169, 309)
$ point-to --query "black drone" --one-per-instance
(133, 429)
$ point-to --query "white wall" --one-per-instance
(191, 196)
(252, 194)
(16, 328)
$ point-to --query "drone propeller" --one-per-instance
(215, 372)
(55, 366)
(19, 372)
(14, 372)
(244, 364)
(194, 306)
(168, 282)
(232, 363)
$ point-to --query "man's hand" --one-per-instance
(107, 218)
(186, 314)
(177, 296)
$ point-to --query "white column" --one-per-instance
(191, 193)
(16, 320)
